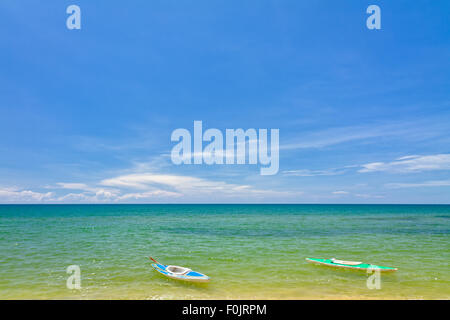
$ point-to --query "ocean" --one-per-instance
(249, 251)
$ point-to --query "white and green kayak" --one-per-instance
(354, 265)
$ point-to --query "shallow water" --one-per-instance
(249, 251)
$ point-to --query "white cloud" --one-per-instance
(413, 163)
(16, 195)
(99, 196)
(78, 197)
(144, 180)
(436, 183)
(340, 192)
(146, 187)
(183, 185)
(89, 194)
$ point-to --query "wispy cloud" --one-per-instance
(183, 185)
(144, 180)
(413, 163)
(436, 183)
(347, 194)
(73, 186)
(406, 164)
(312, 173)
(148, 195)
(411, 130)
(369, 196)
(340, 192)
(338, 135)
(330, 137)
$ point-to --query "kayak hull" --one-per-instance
(191, 276)
(361, 266)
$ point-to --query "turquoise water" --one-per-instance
(249, 251)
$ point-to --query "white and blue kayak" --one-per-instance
(179, 273)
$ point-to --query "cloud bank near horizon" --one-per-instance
(141, 186)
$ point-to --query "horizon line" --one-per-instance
(112, 204)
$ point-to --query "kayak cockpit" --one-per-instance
(350, 263)
(178, 270)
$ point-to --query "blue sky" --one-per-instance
(86, 115)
